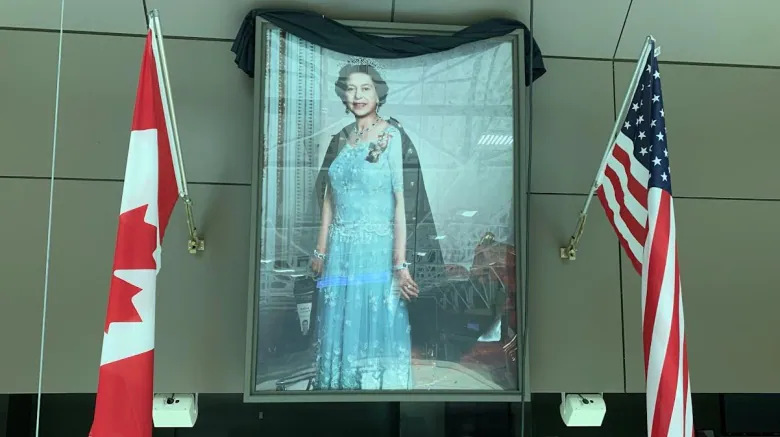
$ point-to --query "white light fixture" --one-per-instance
(175, 410)
(582, 409)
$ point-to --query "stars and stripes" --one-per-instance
(636, 192)
(123, 407)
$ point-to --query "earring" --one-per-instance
(346, 110)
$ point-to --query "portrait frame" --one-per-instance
(520, 191)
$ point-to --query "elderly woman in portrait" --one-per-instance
(364, 280)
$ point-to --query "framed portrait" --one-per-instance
(388, 221)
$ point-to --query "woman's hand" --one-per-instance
(316, 265)
(317, 262)
(408, 288)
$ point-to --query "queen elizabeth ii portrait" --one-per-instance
(372, 209)
(361, 256)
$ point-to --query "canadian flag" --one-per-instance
(123, 407)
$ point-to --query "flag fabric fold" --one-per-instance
(636, 192)
(123, 406)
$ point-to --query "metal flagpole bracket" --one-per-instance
(569, 252)
(195, 243)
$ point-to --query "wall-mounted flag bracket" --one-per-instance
(196, 243)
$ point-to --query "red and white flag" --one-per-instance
(123, 407)
(636, 191)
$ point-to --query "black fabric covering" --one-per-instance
(332, 35)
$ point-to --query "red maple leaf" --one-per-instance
(136, 241)
(120, 303)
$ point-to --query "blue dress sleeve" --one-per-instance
(395, 158)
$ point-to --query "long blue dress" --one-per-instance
(363, 325)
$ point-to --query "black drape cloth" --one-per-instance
(332, 35)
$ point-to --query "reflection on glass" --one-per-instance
(386, 231)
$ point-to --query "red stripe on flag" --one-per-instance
(655, 273)
(623, 243)
(637, 189)
(666, 395)
(638, 230)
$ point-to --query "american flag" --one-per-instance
(636, 191)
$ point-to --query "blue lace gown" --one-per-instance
(363, 325)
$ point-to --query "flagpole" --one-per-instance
(570, 252)
(196, 243)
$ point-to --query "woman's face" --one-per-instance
(362, 98)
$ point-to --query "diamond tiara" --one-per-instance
(357, 60)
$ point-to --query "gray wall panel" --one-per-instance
(729, 283)
(574, 307)
(99, 76)
(671, 23)
(461, 12)
(579, 29)
(201, 300)
(573, 116)
(202, 318)
(199, 18)
(27, 82)
(722, 125)
(22, 264)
